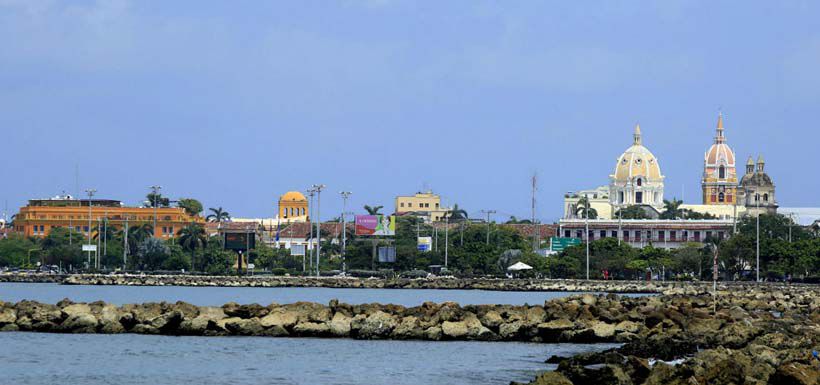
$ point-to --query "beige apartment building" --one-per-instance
(424, 204)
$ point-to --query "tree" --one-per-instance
(218, 215)
(191, 206)
(151, 253)
(457, 214)
(192, 237)
(672, 209)
(157, 200)
(583, 209)
(14, 250)
(515, 221)
(373, 210)
(631, 212)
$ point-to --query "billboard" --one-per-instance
(425, 244)
(240, 241)
(559, 243)
(375, 225)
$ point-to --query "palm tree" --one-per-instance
(672, 209)
(582, 209)
(192, 237)
(137, 234)
(373, 210)
(218, 215)
(456, 214)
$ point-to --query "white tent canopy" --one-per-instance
(518, 266)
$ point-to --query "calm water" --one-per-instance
(127, 359)
(217, 296)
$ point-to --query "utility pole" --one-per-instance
(488, 212)
(586, 236)
(757, 246)
(446, 238)
(345, 195)
(90, 193)
(536, 233)
(311, 192)
(125, 245)
(319, 189)
(156, 190)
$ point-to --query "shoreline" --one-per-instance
(524, 285)
(755, 335)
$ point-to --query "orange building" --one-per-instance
(293, 207)
(41, 215)
(719, 181)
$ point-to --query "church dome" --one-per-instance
(637, 161)
(293, 196)
(719, 153)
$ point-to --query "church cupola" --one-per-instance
(719, 181)
(760, 163)
(750, 166)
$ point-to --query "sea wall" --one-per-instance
(667, 287)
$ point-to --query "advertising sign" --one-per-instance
(425, 244)
(89, 247)
(375, 225)
(559, 243)
(240, 241)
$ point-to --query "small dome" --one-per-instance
(293, 196)
(637, 161)
(720, 153)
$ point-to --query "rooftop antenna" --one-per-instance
(76, 179)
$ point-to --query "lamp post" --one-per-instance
(156, 190)
(586, 236)
(319, 189)
(757, 245)
(311, 192)
(345, 195)
(90, 193)
(488, 212)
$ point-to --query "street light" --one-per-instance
(311, 192)
(757, 246)
(345, 195)
(318, 189)
(156, 190)
(90, 193)
(488, 212)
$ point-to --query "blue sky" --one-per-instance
(235, 103)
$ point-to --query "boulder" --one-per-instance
(311, 329)
(80, 323)
(796, 373)
(491, 319)
(377, 325)
(7, 316)
(280, 317)
(433, 333)
(509, 331)
(408, 328)
(244, 327)
(340, 325)
(603, 331)
(552, 330)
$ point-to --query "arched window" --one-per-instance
(722, 173)
(765, 197)
(721, 197)
(757, 197)
(639, 182)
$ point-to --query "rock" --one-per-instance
(232, 309)
(509, 331)
(245, 327)
(109, 320)
(144, 329)
(589, 299)
(552, 330)
(377, 325)
(433, 333)
(796, 373)
(491, 319)
(167, 322)
(80, 323)
(9, 328)
(340, 325)
(311, 329)
(77, 308)
(280, 317)
(549, 378)
(603, 331)
(408, 328)
(627, 327)
(7, 316)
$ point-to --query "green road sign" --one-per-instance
(560, 243)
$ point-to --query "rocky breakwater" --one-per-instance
(754, 336)
(569, 285)
(585, 318)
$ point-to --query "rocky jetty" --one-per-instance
(569, 285)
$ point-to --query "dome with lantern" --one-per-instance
(637, 179)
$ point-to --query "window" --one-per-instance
(85, 229)
(697, 236)
(402, 204)
(640, 182)
(579, 234)
(708, 234)
(639, 196)
(757, 197)
(603, 233)
(672, 235)
(567, 234)
(409, 204)
(626, 234)
(720, 235)
(662, 235)
(614, 234)
(685, 235)
(637, 235)
(621, 197)
(765, 197)
(721, 197)
(722, 173)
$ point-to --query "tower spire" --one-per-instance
(637, 136)
(719, 138)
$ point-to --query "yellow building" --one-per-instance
(40, 216)
(425, 204)
(293, 207)
(719, 181)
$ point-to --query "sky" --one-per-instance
(235, 103)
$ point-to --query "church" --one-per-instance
(637, 182)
